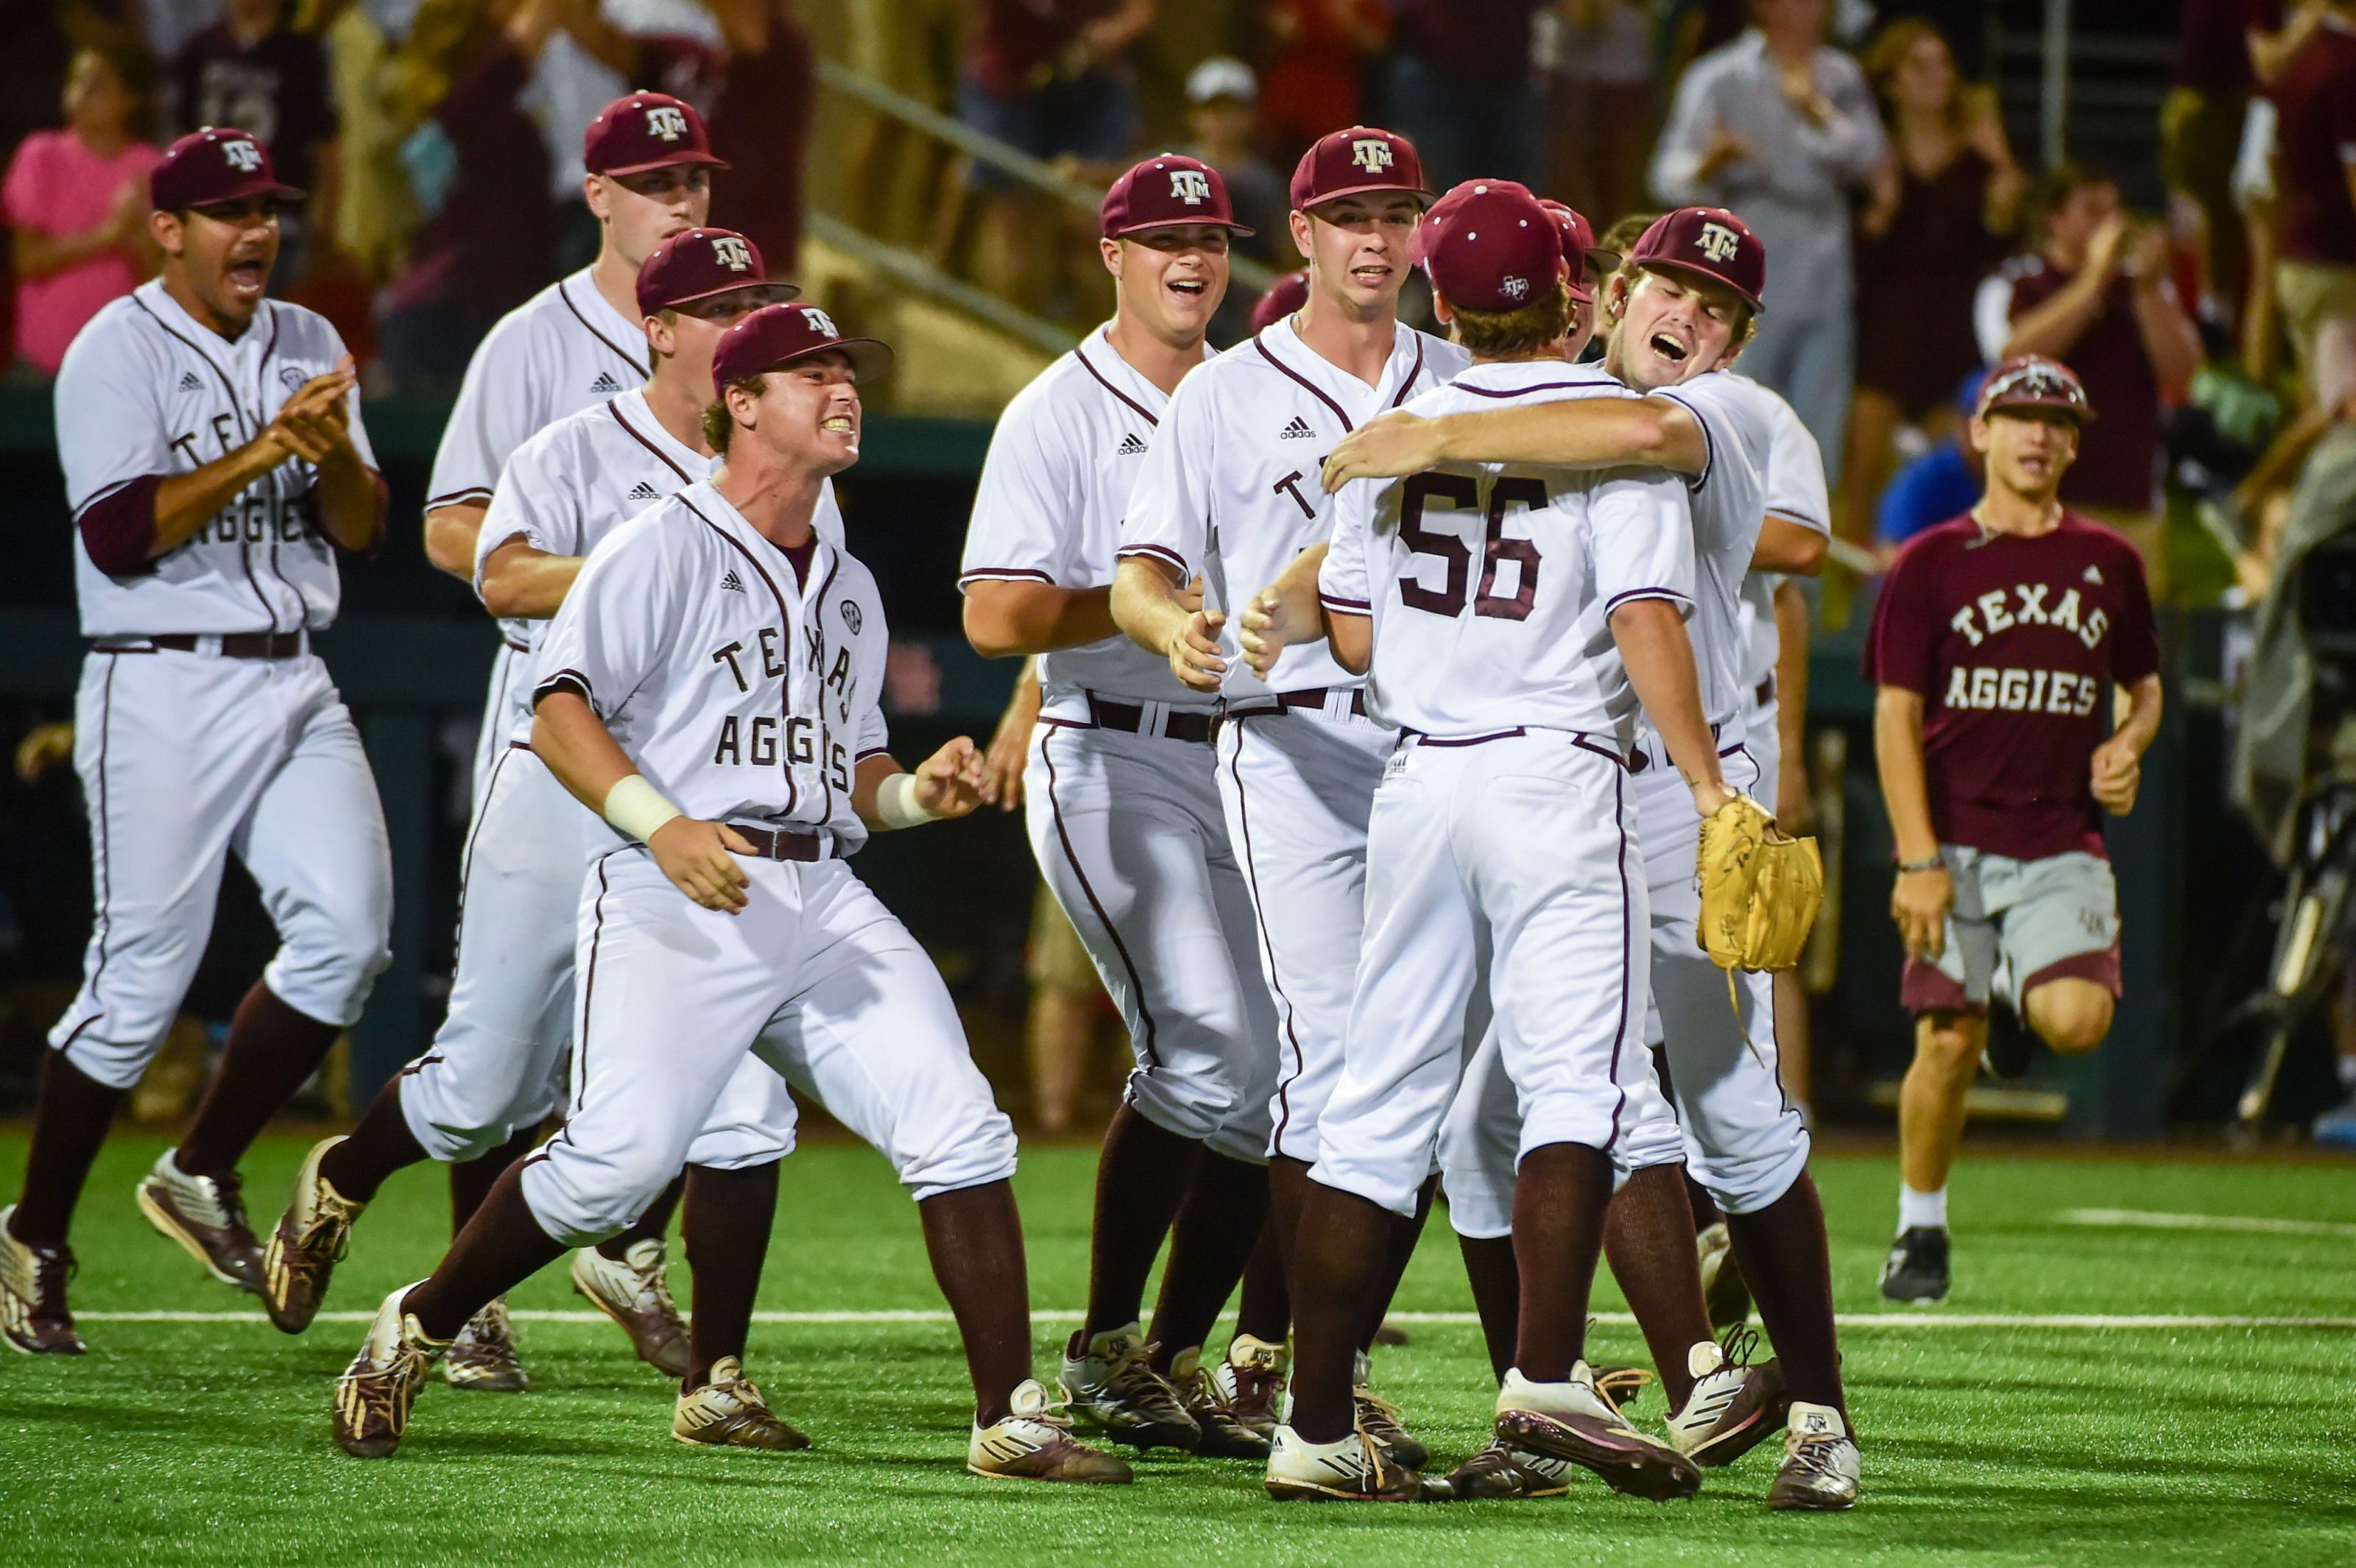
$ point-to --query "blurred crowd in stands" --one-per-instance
(1908, 245)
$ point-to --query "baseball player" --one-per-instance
(1680, 306)
(498, 1064)
(574, 345)
(1125, 818)
(1991, 644)
(1514, 620)
(1229, 495)
(215, 459)
(716, 652)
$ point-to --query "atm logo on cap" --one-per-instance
(819, 322)
(241, 154)
(666, 122)
(1718, 242)
(733, 253)
(1514, 288)
(1371, 153)
(1190, 185)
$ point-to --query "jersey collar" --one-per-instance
(207, 342)
(704, 498)
(1102, 361)
(581, 295)
(631, 410)
(1283, 345)
(1507, 378)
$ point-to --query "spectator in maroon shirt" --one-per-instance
(252, 70)
(2315, 143)
(2097, 296)
(756, 92)
(1460, 86)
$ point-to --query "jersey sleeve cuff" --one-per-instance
(1160, 555)
(1347, 606)
(1683, 601)
(570, 680)
(1004, 574)
(1709, 445)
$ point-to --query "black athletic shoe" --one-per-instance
(1917, 1269)
(2009, 1050)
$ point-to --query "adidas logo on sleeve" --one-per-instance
(1296, 431)
(1129, 446)
(642, 491)
(730, 582)
(189, 383)
(605, 386)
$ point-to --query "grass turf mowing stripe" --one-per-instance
(1927, 1319)
(2252, 1224)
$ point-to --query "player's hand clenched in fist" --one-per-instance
(700, 859)
(2117, 770)
(1384, 448)
(953, 781)
(1265, 630)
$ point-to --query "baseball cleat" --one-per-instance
(1111, 1381)
(729, 1413)
(1917, 1267)
(1501, 1471)
(635, 1294)
(373, 1396)
(1389, 1333)
(1621, 1385)
(307, 1244)
(483, 1356)
(1820, 1462)
(1734, 1406)
(1725, 1295)
(33, 1313)
(206, 1214)
(1034, 1443)
(1357, 1469)
(1569, 1421)
(1250, 1378)
(1226, 1435)
(1378, 1418)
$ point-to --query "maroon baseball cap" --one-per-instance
(1359, 161)
(1707, 242)
(646, 131)
(1164, 192)
(697, 264)
(1488, 245)
(777, 334)
(2033, 381)
(216, 165)
(1578, 246)
(1284, 296)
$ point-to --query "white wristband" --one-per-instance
(897, 805)
(637, 808)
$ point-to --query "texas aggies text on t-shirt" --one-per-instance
(2009, 640)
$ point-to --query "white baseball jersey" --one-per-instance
(1491, 585)
(742, 694)
(570, 486)
(1230, 492)
(145, 391)
(1730, 507)
(1796, 493)
(1065, 456)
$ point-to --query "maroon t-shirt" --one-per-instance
(2118, 454)
(758, 107)
(1017, 44)
(2009, 641)
(275, 88)
(2316, 96)
(1488, 42)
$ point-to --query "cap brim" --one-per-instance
(247, 192)
(2024, 405)
(1242, 231)
(871, 357)
(1425, 196)
(1606, 262)
(683, 160)
(1687, 269)
(785, 292)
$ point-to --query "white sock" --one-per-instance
(1921, 1210)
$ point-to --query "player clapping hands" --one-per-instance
(315, 424)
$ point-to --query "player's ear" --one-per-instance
(164, 227)
(1977, 430)
(1298, 222)
(1110, 251)
(592, 194)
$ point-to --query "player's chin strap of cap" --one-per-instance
(637, 808)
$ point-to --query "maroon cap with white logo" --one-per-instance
(646, 131)
(1707, 242)
(2033, 381)
(778, 334)
(699, 263)
(219, 163)
(1578, 246)
(1487, 245)
(1164, 192)
(1359, 161)
(1284, 296)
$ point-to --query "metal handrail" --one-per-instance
(1012, 162)
(912, 270)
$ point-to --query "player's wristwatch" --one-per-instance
(1927, 863)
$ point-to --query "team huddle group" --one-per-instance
(1368, 753)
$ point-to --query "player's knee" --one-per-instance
(968, 1150)
(331, 959)
(2070, 1016)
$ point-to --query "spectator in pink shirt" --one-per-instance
(76, 202)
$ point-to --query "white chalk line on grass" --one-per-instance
(1927, 1319)
(2144, 1220)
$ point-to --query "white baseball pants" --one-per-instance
(815, 979)
(1533, 834)
(185, 759)
(500, 1063)
(1132, 842)
(1299, 788)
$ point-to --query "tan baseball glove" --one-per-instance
(1760, 892)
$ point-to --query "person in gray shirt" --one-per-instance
(1780, 128)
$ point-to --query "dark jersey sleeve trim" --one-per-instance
(118, 528)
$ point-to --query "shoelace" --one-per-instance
(654, 1287)
(53, 1267)
(1133, 1377)
(385, 1392)
(1620, 1384)
(1815, 1454)
(1739, 1346)
(496, 1328)
(1369, 1402)
(326, 1238)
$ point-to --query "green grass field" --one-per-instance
(1992, 1432)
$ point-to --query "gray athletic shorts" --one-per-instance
(2015, 925)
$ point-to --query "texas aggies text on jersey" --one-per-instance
(2009, 641)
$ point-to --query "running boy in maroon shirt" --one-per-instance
(1995, 638)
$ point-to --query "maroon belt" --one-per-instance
(779, 843)
(234, 644)
(1130, 718)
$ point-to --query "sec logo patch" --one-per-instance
(852, 617)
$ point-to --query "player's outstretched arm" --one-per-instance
(527, 584)
(950, 783)
(700, 857)
(1164, 617)
(450, 534)
(1005, 619)
(1578, 433)
(2118, 762)
(1659, 656)
(1283, 613)
(1792, 804)
(1923, 891)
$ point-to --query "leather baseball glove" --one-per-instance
(1759, 891)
